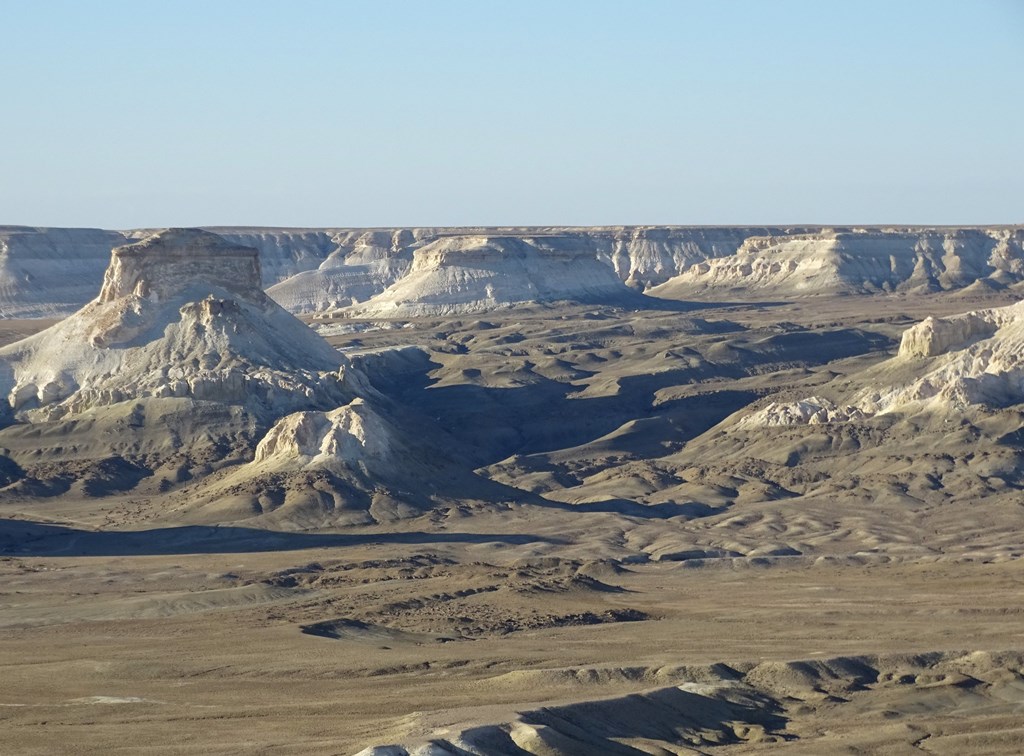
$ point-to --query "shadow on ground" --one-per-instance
(28, 538)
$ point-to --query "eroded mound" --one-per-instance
(858, 261)
(943, 365)
(181, 314)
(180, 364)
(479, 273)
(864, 702)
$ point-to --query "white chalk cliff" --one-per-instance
(479, 273)
(973, 358)
(943, 364)
(313, 440)
(51, 272)
(859, 261)
(180, 314)
(184, 373)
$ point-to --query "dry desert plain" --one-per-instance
(610, 552)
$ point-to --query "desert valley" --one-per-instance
(621, 490)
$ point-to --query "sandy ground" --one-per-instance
(664, 584)
(205, 652)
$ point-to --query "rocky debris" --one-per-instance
(811, 411)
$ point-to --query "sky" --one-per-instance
(148, 113)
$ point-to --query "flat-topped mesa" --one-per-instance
(477, 273)
(181, 316)
(172, 261)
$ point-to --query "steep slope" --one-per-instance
(858, 261)
(360, 463)
(646, 256)
(361, 266)
(183, 373)
(974, 358)
(177, 367)
(943, 365)
(180, 314)
(311, 270)
(479, 273)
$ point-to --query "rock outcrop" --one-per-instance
(353, 434)
(943, 364)
(183, 373)
(181, 314)
(974, 358)
(46, 272)
(859, 261)
(480, 273)
(935, 336)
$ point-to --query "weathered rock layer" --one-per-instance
(46, 271)
(181, 314)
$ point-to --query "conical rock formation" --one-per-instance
(181, 314)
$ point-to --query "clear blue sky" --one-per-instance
(456, 112)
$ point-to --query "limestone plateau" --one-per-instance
(51, 271)
(512, 490)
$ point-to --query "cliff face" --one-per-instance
(480, 273)
(180, 315)
(48, 272)
(309, 272)
(934, 336)
(943, 365)
(974, 358)
(184, 372)
(859, 262)
(167, 264)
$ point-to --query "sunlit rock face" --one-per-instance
(860, 261)
(180, 314)
(475, 274)
(178, 260)
(349, 435)
(973, 358)
(943, 365)
(52, 271)
(934, 336)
